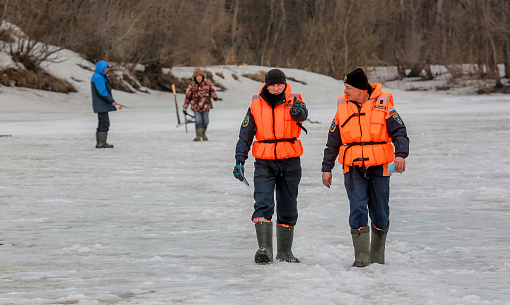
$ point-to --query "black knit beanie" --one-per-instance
(358, 79)
(275, 76)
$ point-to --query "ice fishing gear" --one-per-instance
(244, 178)
(186, 120)
(176, 107)
(121, 106)
(239, 173)
(5, 135)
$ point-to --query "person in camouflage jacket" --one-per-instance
(199, 94)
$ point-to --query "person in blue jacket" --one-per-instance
(102, 102)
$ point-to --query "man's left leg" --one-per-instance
(379, 210)
(287, 183)
(205, 123)
(198, 126)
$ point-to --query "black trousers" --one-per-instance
(281, 177)
(104, 122)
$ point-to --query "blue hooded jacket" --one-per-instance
(102, 98)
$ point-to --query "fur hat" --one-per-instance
(198, 71)
(275, 76)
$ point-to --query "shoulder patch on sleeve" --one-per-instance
(246, 121)
(393, 113)
(332, 128)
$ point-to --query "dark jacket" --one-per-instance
(102, 98)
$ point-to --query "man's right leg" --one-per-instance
(199, 128)
(264, 182)
(357, 186)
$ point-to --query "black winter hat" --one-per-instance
(358, 79)
(275, 76)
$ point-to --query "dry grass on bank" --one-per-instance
(34, 79)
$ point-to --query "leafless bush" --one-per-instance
(6, 36)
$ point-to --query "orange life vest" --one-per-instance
(363, 131)
(277, 133)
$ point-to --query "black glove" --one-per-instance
(296, 107)
(185, 112)
(217, 99)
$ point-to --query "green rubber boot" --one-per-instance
(361, 242)
(378, 244)
(284, 238)
(102, 136)
(264, 254)
(97, 139)
(198, 132)
(204, 137)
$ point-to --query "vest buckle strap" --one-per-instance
(360, 159)
(349, 145)
(291, 140)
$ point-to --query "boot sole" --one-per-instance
(262, 257)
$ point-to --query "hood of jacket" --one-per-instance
(100, 66)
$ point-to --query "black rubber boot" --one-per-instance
(264, 231)
(97, 139)
(284, 238)
(198, 132)
(361, 242)
(102, 140)
(204, 137)
(378, 244)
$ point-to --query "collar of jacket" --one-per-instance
(287, 91)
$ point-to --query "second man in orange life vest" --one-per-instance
(274, 119)
(366, 134)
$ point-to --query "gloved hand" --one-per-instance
(215, 99)
(296, 107)
(238, 169)
(185, 111)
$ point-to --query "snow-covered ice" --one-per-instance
(160, 219)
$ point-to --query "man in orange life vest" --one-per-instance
(274, 118)
(361, 135)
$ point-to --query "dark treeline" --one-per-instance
(325, 36)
